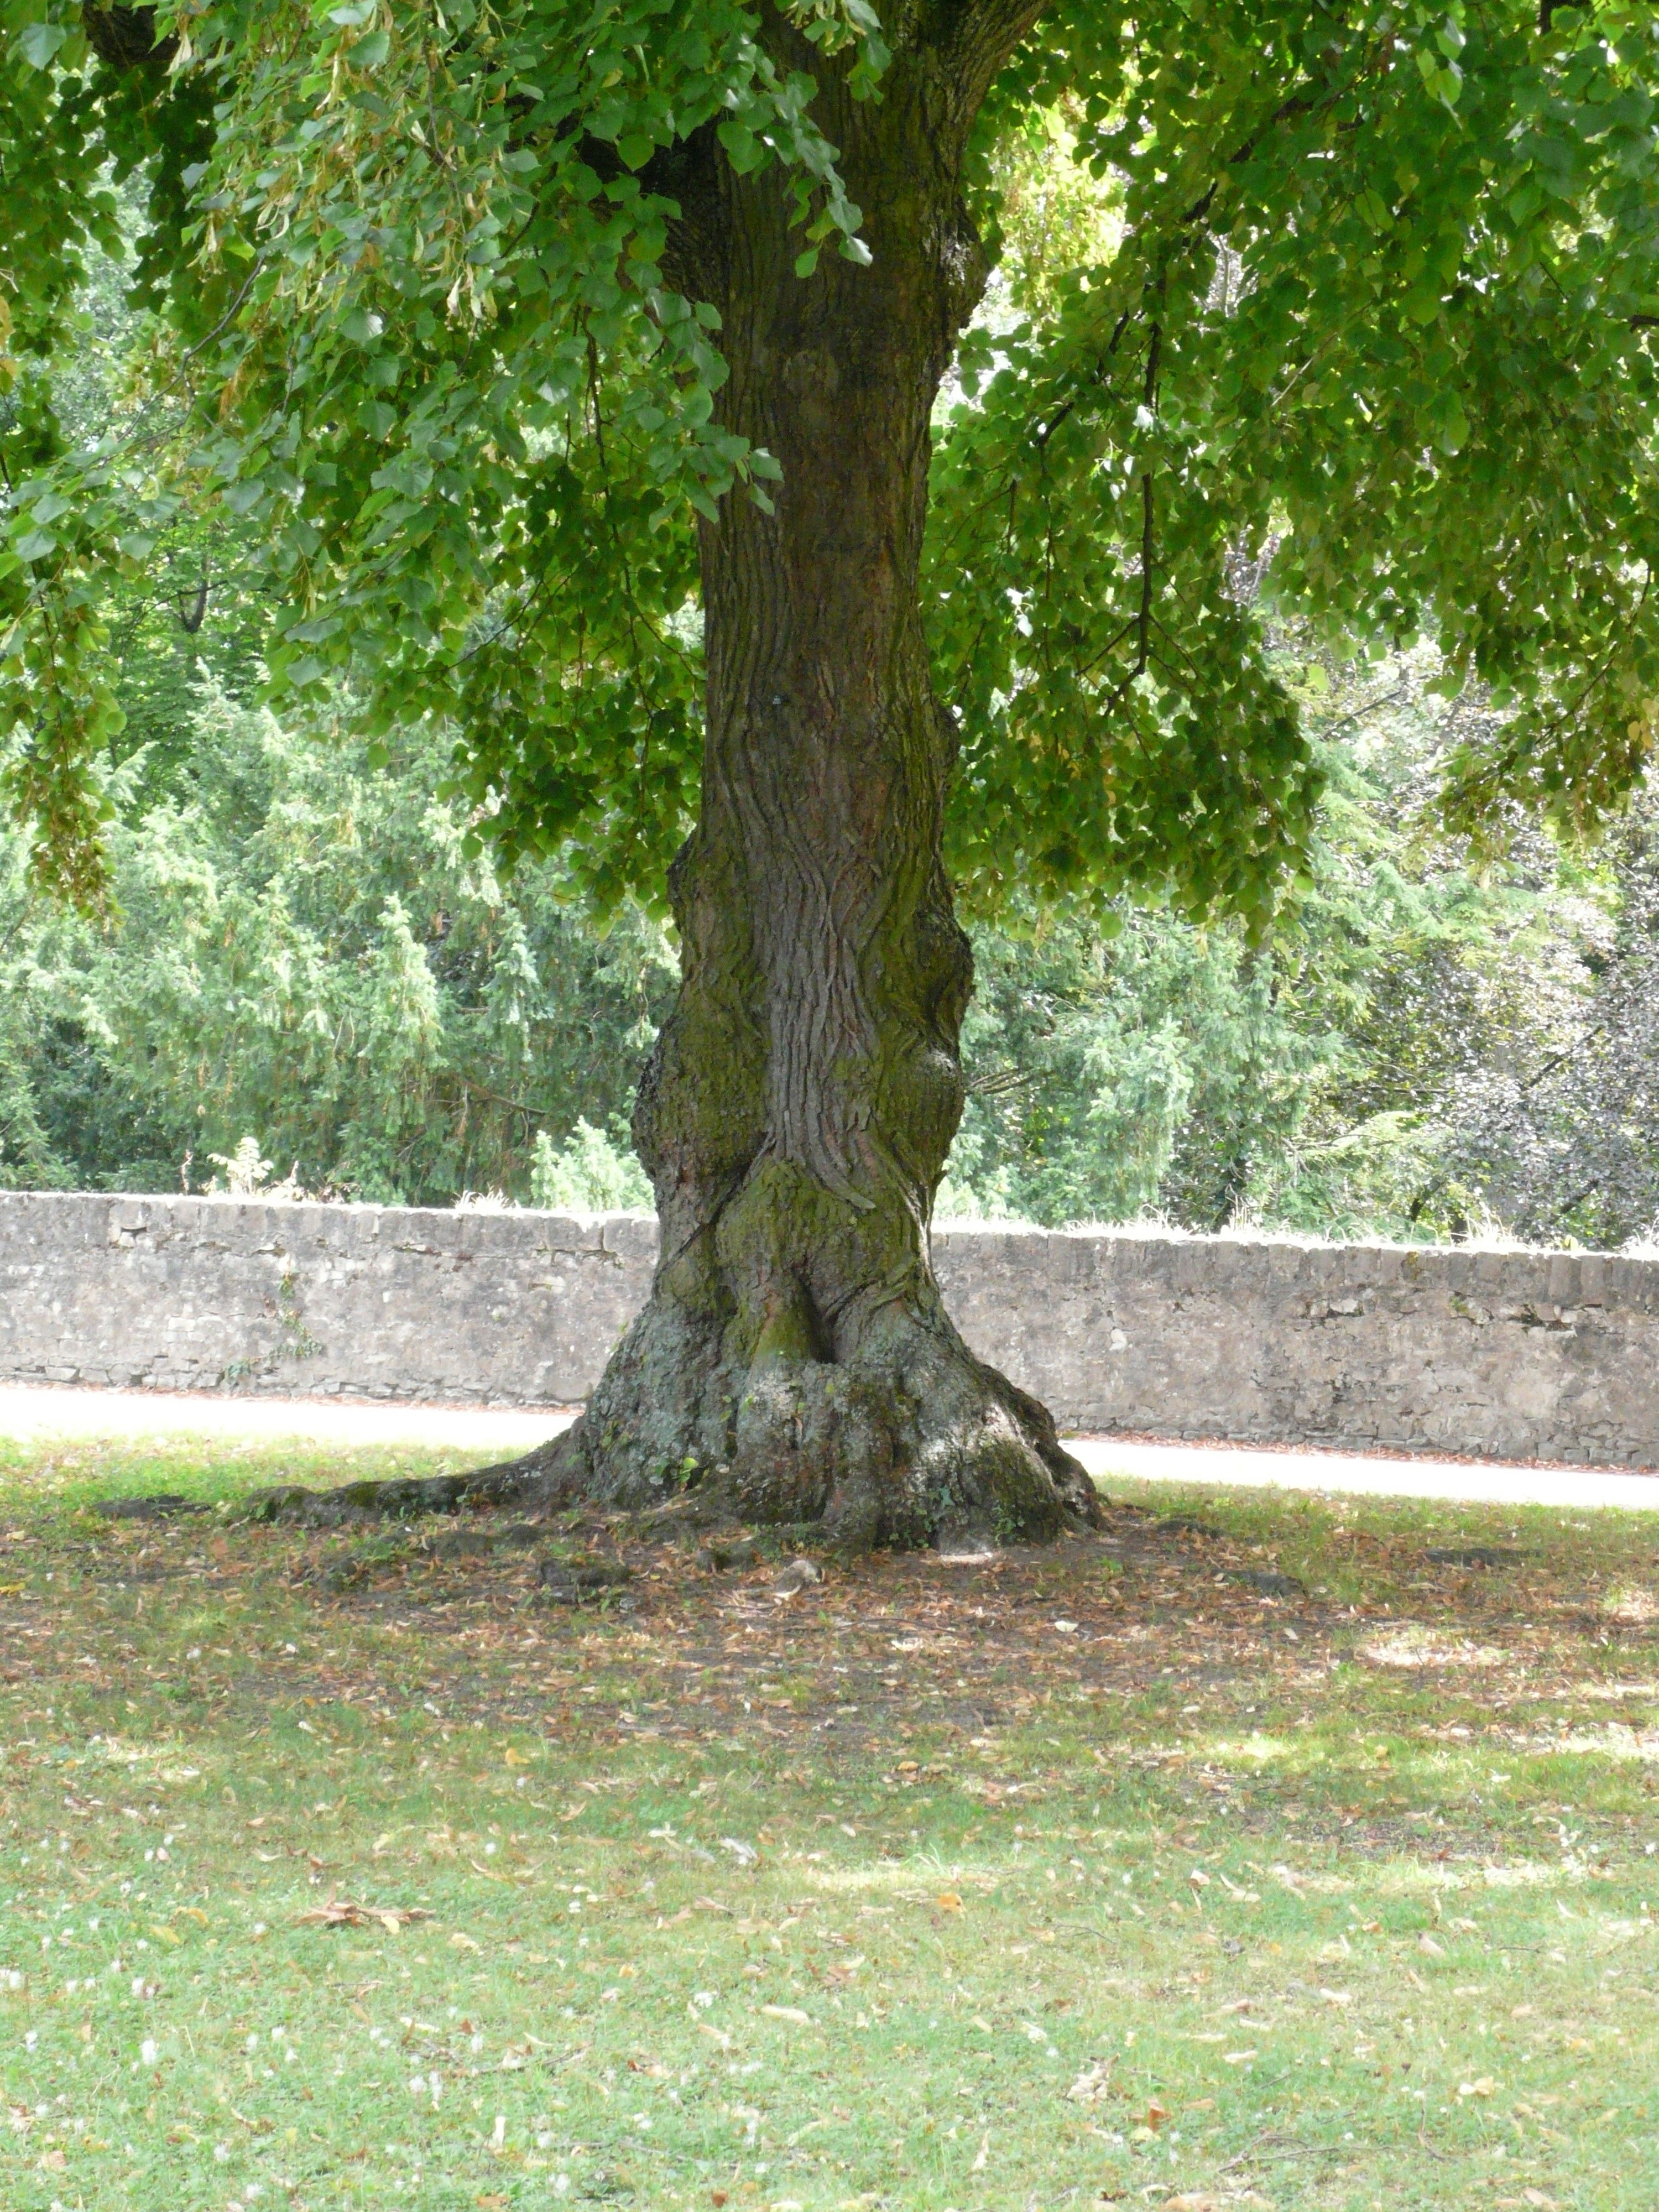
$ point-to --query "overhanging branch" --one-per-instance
(125, 39)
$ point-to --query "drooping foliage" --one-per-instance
(1363, 333)
(1375, 336)
(412, 331)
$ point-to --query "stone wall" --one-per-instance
(1552, 1356)
(356, 1301)
(1505, 1355)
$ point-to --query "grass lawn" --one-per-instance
(1104, 1875)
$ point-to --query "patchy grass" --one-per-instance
(1109, 1875)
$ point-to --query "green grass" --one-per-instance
(1087, 1877)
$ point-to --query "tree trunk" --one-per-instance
(796, 1112)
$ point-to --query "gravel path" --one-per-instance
(496, 1432)
(1484, 1482)
(26, 1412)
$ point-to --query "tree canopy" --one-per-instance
(1356, 322)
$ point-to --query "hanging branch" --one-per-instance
(1142, 620)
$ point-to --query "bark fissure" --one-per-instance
(797, 1111)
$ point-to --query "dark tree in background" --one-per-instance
(1565, 1143)
(571, 375)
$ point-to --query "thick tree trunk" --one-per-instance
(796, 1112)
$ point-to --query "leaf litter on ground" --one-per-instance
(1329, 1891)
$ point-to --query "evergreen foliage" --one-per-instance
(1334, 1078)
(300, 950)
(302, 964)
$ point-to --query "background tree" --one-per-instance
(1564, 1143)
(305, 957)
(1335, 1075)
(493, 329)
(301, 962)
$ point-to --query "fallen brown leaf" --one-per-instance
(1091, 2083)
(346, 1912)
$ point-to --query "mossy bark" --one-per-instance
(796, 1112)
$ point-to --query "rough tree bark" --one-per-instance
(797, 1111)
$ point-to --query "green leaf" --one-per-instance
(1452, 432)
(38, 43)
(743, 149)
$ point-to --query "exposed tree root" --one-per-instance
(485, 1488)
(914, 1444)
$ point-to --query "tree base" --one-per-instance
(909, 1443)
(912, 1443)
